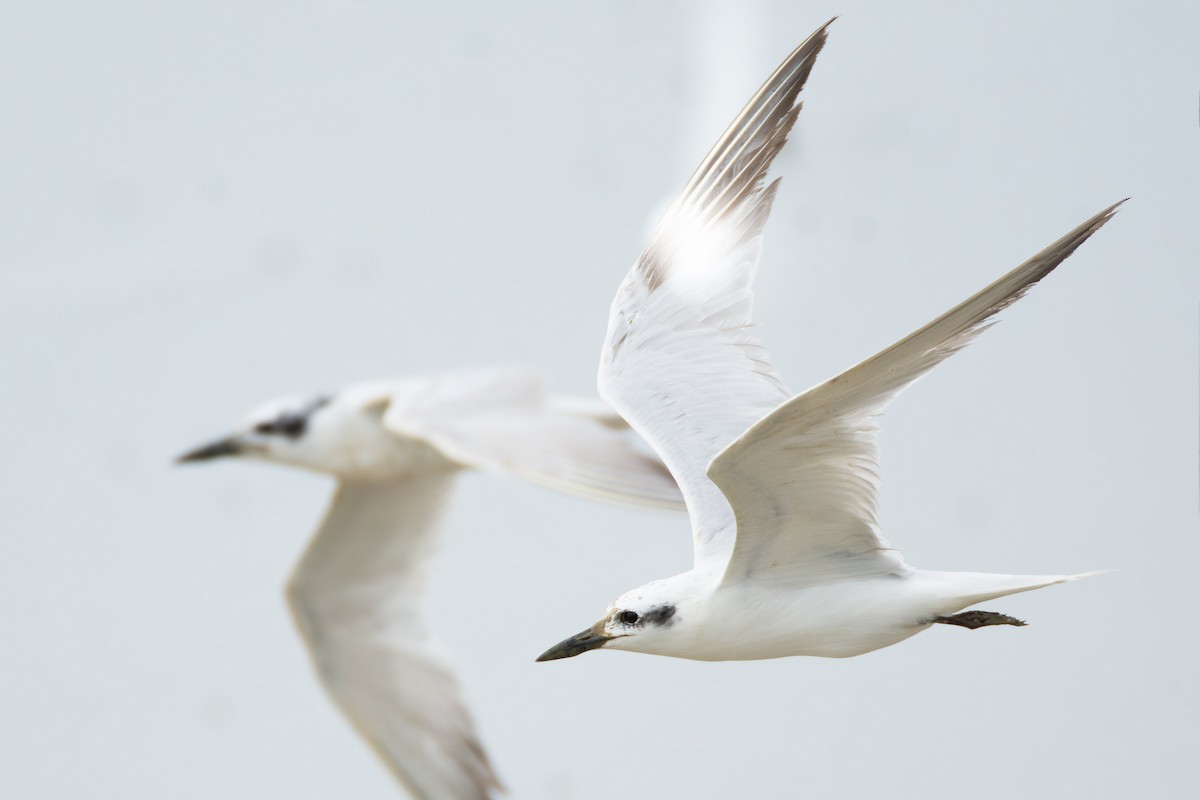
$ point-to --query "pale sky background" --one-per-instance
(207, 204)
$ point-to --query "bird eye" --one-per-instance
(293, 425)
(628, 617)
(290, 425)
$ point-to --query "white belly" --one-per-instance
(835, 620)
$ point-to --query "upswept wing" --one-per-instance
(802, 482)
(679, 361)
(355, 596)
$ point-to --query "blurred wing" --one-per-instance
(802, 482)
(356, 596)
(561, 450)
(679, 362)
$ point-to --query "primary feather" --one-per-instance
(679, 361)
(802, 481)
(356, 599)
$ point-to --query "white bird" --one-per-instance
(781, 490)
(395, 448)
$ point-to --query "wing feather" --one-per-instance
(680, 362)
(802, 481)
(567, 447)
(355, 596)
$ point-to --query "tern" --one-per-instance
(780, 489)
(395, 448)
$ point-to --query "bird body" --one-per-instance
(396, 448)
(839, 619)
(781, 489)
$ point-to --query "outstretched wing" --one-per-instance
(802, 482)
(355, 596)
(679, 361)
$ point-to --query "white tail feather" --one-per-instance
(963, 589)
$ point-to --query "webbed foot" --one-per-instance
(979, 619)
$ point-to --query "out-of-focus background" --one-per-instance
(207, 204)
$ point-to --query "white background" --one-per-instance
(206, 204)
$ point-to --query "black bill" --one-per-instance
(221, 447)
(579, 643)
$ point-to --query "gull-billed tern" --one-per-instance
(781, 489)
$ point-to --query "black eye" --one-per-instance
(292, 425)
(628, 617)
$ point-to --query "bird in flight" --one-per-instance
(395, 448)
(781, 489)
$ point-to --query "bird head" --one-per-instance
(649, 619)
(281, 430)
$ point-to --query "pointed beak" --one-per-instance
(591, 639)
(229, 446)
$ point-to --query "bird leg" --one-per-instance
(979, 619)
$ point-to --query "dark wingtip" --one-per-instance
(1108, 212)
(821, 34)
(1053, 255)
(1085, 231)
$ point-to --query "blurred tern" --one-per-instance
(395, 448)
(781, 490)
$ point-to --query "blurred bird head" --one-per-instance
(291, 430)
